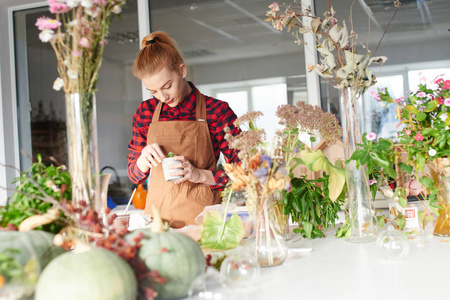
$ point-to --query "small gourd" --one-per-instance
(174, 255)
(40, 241)
(94, 274)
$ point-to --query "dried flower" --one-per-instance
(79, 29)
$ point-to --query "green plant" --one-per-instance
(220, 234)
(310, 205)
(170, 154)
(41, 242)
(25, 202)
(92, 274)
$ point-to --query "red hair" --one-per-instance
(158, 50)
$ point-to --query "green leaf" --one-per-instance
(213, 236)
(406, 168)
(412, 109)
(315, 161)
(431, 105)
(307, 226)
(420, 116)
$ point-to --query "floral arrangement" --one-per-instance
(262, 170)
(78, 37)
(336, 44)
(422, 140)
(308, 197)
(425, 114)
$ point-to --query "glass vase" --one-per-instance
(360, 206)
(268, 243)
(82, 148)
(440, 172)
(281, 218)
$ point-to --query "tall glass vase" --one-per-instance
(361, 212)
(82, 148)
(440, 172)
(269, 245)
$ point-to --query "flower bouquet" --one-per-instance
(77, 35)
(424, 140)
(261, 174)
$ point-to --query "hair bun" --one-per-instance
(152, 41)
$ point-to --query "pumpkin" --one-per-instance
(93, 274)
(174, 255)
(40, 241)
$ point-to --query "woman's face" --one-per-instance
(167, 85)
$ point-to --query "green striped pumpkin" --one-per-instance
(40, 241)
(96, 274)
(175, 256)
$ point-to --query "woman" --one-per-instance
(181, 120)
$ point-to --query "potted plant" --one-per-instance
(168, 161)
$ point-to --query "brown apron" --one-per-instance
(179, 204)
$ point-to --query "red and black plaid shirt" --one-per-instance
(219, 115)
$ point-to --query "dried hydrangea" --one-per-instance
(310, 119)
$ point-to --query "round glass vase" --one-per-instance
(268, 243)
(360, 206)
(440, 172)
(82, 148)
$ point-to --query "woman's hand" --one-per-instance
(190, 173)
(150, 155)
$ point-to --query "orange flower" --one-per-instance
(254, 162)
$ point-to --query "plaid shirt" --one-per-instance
(219, 115)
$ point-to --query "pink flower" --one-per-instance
(76, 53)
(421, 94)
(47, 23)
(447, 85)
(372, 181)
(419, 137)
(85, 43)
(104, 42)
(441, 100)
(408, 132)
(438, 81)
(274, 6)
(447, 102)
(424, 79)
(371, 136)
(56, 7)
(400, 99)
(100, 2)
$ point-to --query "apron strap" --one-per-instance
(200, 106)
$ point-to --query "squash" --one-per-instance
(175, 256)
(40, 241)
(93, 274)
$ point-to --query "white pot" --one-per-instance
(165, 164)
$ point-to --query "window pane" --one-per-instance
(377, 117)
(266, 99)
(238, 101)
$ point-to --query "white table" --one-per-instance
(337, 269)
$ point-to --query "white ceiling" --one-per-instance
(223, 30)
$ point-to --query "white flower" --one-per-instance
(58, 84)
(73, 23)
(72, 3)
(46, 35)
(73, 74)
(443, 117)
(447, 127)
(86, 3)
(116, 9)
(431, 152)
